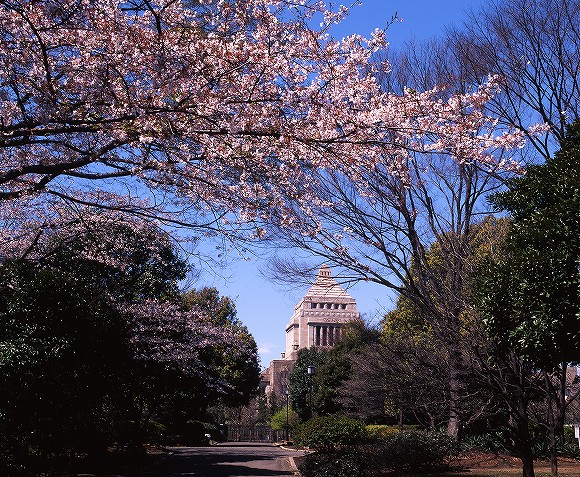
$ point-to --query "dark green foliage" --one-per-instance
(333, 368)
(401, 453)
(70, 378)
(342, 463)
(336, 367)
(496, 442)
(569, 448)
(302, 384)
(501, 441)
(411, 451)
(530, 299)
(330, 432)
(61, 349)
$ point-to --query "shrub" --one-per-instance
(378, 431)
(569, 448)
(496, 442)
(329, 432)
(400, 453)
(278, 420)
(339, 463)
(413, 451)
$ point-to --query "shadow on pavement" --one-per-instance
(215, 463)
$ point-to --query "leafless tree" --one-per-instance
(385, 235)
(534, 45)
(397, 379)
(382, 234)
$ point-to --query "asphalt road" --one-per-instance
(231, 459)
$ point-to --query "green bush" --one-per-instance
(278, 420)
(500, 441)
(411, 451)
(340, 463)
(496, 441)
(378, 431)
(569, 448)
(329, 432)
(406, 452)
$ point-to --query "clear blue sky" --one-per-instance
(265, 308)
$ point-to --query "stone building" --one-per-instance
(318, 320)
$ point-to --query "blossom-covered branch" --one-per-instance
(224, 107)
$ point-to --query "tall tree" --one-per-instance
(302, 385)
(337, 365)
(238, 364)
(530, 298)
(413, 374)
(63, 349)
(532, 295)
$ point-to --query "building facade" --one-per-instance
(318, 320)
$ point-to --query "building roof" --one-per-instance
(326, 287)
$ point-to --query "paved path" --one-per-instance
(231, 459)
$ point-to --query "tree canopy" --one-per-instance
(193, 112)
(531, 296)
(94, 344)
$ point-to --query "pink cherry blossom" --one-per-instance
(187, 114)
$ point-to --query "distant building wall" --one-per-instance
(318, 320)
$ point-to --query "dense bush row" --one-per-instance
(326, 433)
(345, 448)
(500, 441)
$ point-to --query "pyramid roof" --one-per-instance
(326, 286)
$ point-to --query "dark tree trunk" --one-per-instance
(455, 390)
(551, 422)
(401, 419)
(524, 440)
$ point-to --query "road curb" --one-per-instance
(294, 467)
(291, 460)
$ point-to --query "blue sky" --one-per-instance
(266, 308)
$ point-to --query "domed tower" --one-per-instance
(319, 317)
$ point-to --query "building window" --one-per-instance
(343, 306)
(313, 305)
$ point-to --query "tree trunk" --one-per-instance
(401, 419)
(562, 402)
(455, 385)
(553, 438)
(551, 422)
(523, 437)
(454, 422)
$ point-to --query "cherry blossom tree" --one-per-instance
(190, 111)
(223, 116)
(169, 336)
(95, 336)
